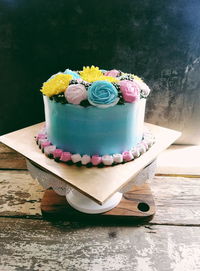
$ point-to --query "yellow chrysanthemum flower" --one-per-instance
(136, 77)
(92, 74)
(108, 78)
(56, 85)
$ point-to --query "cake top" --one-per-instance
(95, 87)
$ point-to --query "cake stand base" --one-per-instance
(136, 206)
(84, 204)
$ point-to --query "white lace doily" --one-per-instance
(49, 180)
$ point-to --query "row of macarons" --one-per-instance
(59, 155)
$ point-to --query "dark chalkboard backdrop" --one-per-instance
(158, 40)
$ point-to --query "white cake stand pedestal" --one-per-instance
(78, 200)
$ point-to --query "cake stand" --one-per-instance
(119, 191)
(78, 200)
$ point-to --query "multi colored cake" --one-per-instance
(94, 117)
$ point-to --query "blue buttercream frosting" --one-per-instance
(102, 93)
(92, 130)
(74, 74)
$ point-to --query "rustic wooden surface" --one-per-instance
(170, 241)
(136, 206)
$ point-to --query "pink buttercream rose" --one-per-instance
(127, 156)
(76, 93)
(96, 160)
(57, 153)
(130, 91)
(66, 156)
(113, 73)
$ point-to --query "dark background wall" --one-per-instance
(158, 40)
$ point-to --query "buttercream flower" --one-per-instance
(85, 159)
(76, 158)
(102, 94)
(127, 156)
(118, 158)
(130, 91)
(113, 73)
(107, 160)
(93, 74)
(141, 148)
(41, 140)
(40, 136)
(45, 144)
(90, 74)
(96, 160)
(76, 93)
(57, 153)
(66, 156)
(56, 85)
(135, 152)
(145, 90)
(75, 75)
(49, 150)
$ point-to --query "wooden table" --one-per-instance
(171, 241)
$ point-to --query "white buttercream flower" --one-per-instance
(76, 158)
(107, 160)
(118, 158)
(145, 90)
(76, 93)
(135, 152)
(85, 159)
(49, 149)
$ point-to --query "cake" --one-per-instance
(94, 117)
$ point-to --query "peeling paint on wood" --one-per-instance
(41, 245)
(20, 195)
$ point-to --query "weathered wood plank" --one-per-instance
(20, 195)
(40, 245)
(10, 159)
(177, 199)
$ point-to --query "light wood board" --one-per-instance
(97, 183)
(179, 160)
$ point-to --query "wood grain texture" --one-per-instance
(10, 159)
(136, 206)
(41, 245)
(177, 200)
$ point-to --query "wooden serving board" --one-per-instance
(97, 183)
(136, 206)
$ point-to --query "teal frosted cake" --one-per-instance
(94, 117)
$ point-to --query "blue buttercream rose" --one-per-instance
(74, 74)
(102, 94)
